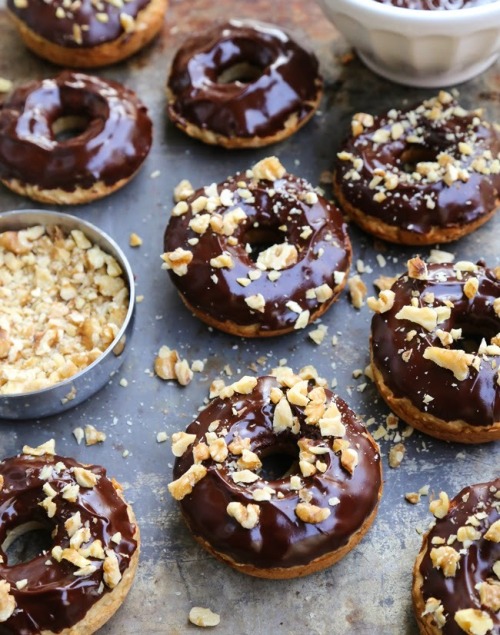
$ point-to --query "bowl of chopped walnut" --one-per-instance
(429, 43)
(67, 301)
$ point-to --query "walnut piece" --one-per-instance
(269, 169)
(458, 361)
(312, 513)
(7, 601)
(177, 260)
(383, 303)
(440, 507)
(445, 558)
(474, 621)
(493, 532)
(181, 441)
(417, 269)
(357, 290)
(112, 574)
(203, 617)
(185, 483)
(489, 594)
(246, 515)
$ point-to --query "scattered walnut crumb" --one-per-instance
(161, 437)
(134, 240)
(5, 85)
(396, 455)
(269, 169)
(183, 191)
(203, 617)
(440, 506)
(49, 447)
(78, 434)
(357, 290)
(168, 365)
(93, 436)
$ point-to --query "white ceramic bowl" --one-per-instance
(417, 47)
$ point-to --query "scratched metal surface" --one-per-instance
(368, 592)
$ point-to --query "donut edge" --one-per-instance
(148, 24)
(394, 234)
(457, 431)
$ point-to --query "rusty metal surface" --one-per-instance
(368, 592)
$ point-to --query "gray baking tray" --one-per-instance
(368, 592)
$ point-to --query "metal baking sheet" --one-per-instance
(368, 592)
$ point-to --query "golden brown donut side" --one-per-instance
(146, 26)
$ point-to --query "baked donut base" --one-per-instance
(291, 125)
(58, 196)
(285, 573)
(401, 236)
(148, 23)
(425, 622)
(457, 430)
(256, 330)
(110, 602)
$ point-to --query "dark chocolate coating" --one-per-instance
(407, 206)
(437, 5)
(288, 81)
(112, 146)
(280, 539)
(276, 204)
(54, 597)
(476, 565)
(41, 18)
(476, 399)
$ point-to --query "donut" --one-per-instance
(260, 254)
(435, 349)
(87, 33)
(429, 174)
(77, 584)
(456, 577)
(272, 523)
(242, 84)
(107, 135)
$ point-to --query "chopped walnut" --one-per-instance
(244, 476)
(246, 515)
(111, 568)
(349, 459)
(277, 257)
(357, 290)
(396, 455)
(283, 417)
(417, 269)
(436, 609)
(471, 287)
(489, 594)
(458, 361)
(93, 436)
(249, 461)
(238, 445)
(185, 483)
(84, 477)
(312, 513)
(269, 169)
(256, 302)
(183, 190)
(445, 558)
(493, 532)
(424, 316)
(440, 507)
(474, 621)
(203, 617)
(181, 441)
(383, 303)
(218, 450)
(177, 260)
(7, 601)
(45, 448)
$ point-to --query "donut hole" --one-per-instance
(473, 335)
(241, 73)
(413, 155)
(69, 127)
(259, 239)
(278, 463)
(26, 542)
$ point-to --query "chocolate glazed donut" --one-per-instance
(81, 580)
(212, 244)
(456, 578)
(435, 348)
(112, 138)
(242, 84)
(87, 33)
(429, 174)
(280, 526)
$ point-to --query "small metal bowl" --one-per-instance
(73, 391)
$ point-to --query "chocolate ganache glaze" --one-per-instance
(475, 508)
(347, 492)
(432, 166)
(438, 344)
(270, 79)
(81, 24)
(211, 239)
(115, 139)
(58, 593)
(437, 5)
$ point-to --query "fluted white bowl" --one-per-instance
(419, 47)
